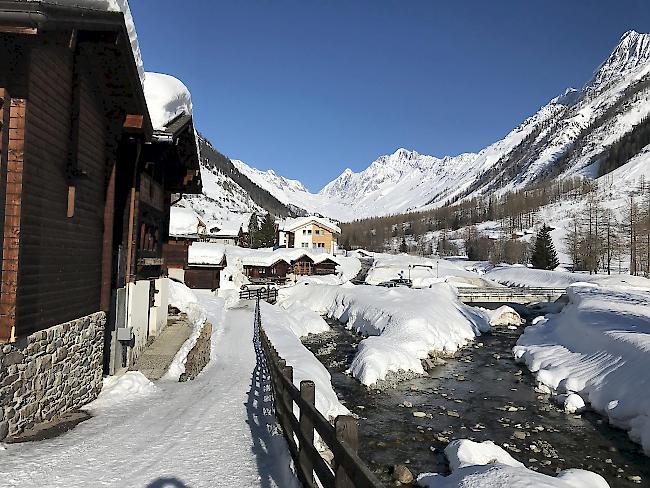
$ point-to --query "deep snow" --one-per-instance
(404, 325)
(599, 348)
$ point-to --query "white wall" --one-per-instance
(158, 313)
(138, 316)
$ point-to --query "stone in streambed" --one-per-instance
(402, 474)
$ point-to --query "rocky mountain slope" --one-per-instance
(567, 137)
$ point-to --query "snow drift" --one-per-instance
(486, 465)
(597, 347)
(284, 327)
(404, 325)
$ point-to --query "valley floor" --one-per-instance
(210, 432)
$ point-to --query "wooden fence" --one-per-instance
(348, 470)
(267, 294)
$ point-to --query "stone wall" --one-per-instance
(50, 372)
(199, 356)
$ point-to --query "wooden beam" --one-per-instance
(12, 215)
(107, 250)
(133, 121)
(18, 29)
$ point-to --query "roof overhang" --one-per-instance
(104, 28)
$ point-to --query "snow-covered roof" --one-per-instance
(183, 221)
(167, 98)
(229, 226)
(205, 253)
(290, 225)
(110, 6)
(268, 257)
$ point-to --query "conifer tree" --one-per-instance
(544, 255)
(403, 247)
(266, 234)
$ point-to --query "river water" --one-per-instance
(480, 394)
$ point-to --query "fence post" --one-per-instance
(347, 430)
(308, 395)
(287, 371)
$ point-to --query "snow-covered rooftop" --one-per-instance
(167, 98)
(183, 221)
(268, 257)
(289, 225)
(206, 253)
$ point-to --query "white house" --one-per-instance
(315, 233)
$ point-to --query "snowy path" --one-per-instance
(204, 433)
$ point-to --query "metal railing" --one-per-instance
(347, 469)
(267, 294)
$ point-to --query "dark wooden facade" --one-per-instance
(203, 277)
(278, 270)
(85, 187)
(304, 265)
(175, 252)
(326, 267)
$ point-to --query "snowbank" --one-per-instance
(184, 299)
(119, 389)
(503, 316)
(486, 465)
(167, 98)
(518, 275)
(599, 348)
(404, 325)
(284, 327)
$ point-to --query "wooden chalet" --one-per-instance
(85, 182)
(325, 266)
(267, 269)
(303, 265)
(205, 262)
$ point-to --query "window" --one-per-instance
(321, 244)
(305, 244)
(304, 231)
(309, 232)
(317, 232)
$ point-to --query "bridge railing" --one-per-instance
(266, 294)
(347, 469)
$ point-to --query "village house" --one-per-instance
(314, 233)
(205, 262)
(232, 230)
(86, 184)
(185, 227)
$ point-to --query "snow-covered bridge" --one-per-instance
(509, 295)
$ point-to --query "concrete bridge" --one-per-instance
(509, 295)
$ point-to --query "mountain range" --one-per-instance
(569, 136)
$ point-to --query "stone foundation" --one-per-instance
(50, 372)
(199, 355)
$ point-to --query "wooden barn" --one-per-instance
(85, 190)
(205, 262)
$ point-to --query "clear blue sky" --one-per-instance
(310, 87)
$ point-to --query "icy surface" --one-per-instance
(404, 325)
(213, 431)
(486, 465)
(598, 348)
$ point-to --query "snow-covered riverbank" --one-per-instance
(404, 325)
(599, 348)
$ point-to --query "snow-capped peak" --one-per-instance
(631, 53)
